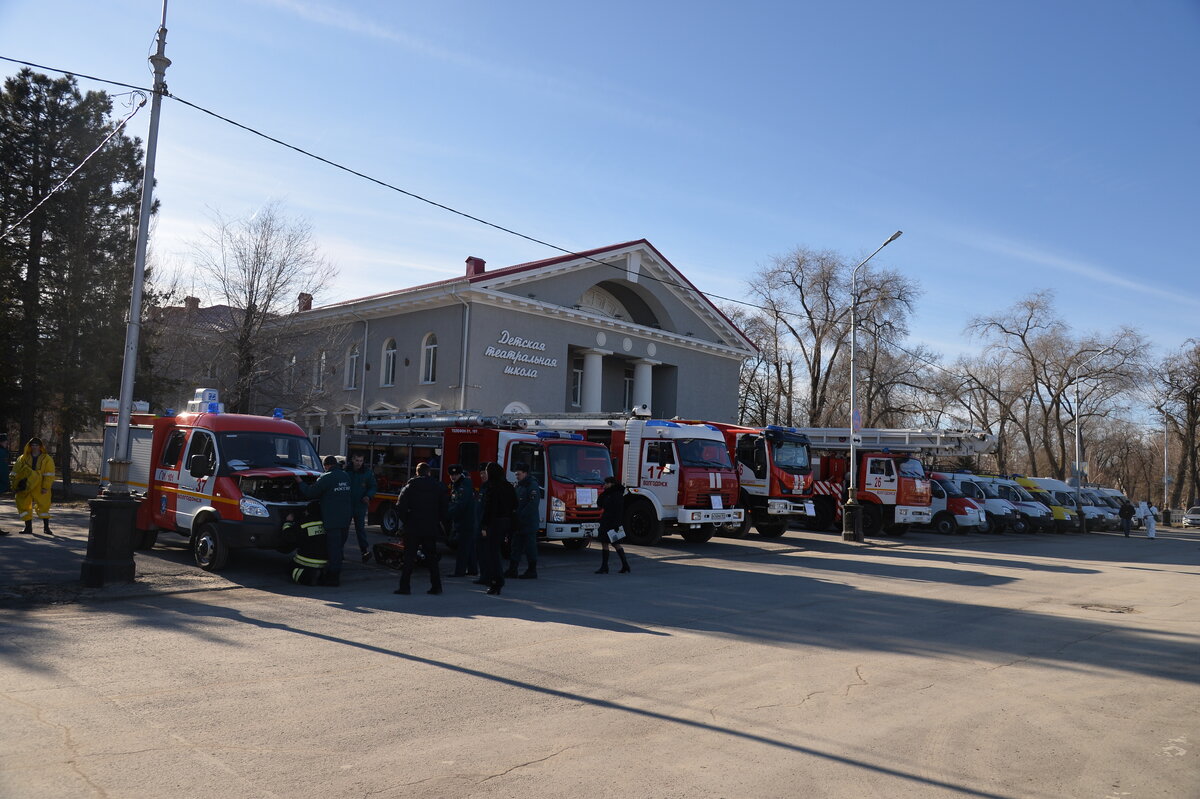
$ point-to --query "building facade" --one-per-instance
(601, 331)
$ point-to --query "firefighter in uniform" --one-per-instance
(423, 506)
(333, 490)
(527, 521)
(32, 478)
(308, 535)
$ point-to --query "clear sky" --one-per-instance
(1025, 145)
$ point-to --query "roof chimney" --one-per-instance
(191, 304)
(304, 302)
(475, 266)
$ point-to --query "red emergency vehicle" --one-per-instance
(570, 470)
(225, 480)
(679, 476)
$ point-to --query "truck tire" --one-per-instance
(1021, 525)
(771, 528)
(208, 549)
(698, 535)
(389, 522)
(642, 525)
(988, 525)
(945, 524)
(737, 529)
(146, 539)
(872, 518)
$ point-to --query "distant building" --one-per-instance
(599, 331)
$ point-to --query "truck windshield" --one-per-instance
(791, 456)
(1023, 494)
(703, 452)
(254, 450)
(989, 490)
(579, 465)
(910, 467)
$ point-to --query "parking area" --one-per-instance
(928, 666)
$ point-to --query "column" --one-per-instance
(593, 379)
(643, 382)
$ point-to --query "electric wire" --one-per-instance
(116, 129)
(687, 288)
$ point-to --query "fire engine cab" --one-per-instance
(225, 480)
(570, 471)
(679, 476)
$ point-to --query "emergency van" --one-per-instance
(953, 512)
(1063, 516)
(225, 480)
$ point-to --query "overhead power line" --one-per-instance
(450, 209)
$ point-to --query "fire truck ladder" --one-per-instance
(946, 443)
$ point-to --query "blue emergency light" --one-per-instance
(214, 407)
(277, 413)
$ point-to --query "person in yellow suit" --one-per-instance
(32, 478)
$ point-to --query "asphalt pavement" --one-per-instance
(996, 667)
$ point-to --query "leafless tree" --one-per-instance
(257, 267)
(1178, 384)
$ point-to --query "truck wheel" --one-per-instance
(146, 539)
(993, 525)
(944, 523)
(576, 543)
(642, 525)
(872, 518)
(772, 528)
(826, 514)
(1021, 525)
(208, 549)
(389, 522)
(698, 535)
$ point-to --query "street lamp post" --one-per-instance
(1078, 470)
(111, 524)
(851, 519)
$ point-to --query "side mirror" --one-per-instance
(198, 466)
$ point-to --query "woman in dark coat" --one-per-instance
(497, 504)
(612, 512)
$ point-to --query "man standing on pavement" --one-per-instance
(362, 491)
(528, 520)
(332, 489)
(423, 507)
(1126, 514)
(464, 522)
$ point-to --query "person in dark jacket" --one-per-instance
(497, 504)
(612, 513)
(362, 489)
(332, 490)
(1126, 513)
(528, 520)
(423, 506)
(306, 534)
(464, 522)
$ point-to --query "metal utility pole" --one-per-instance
(111, 527)
(851, 520)
(1078, 470)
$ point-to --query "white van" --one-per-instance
(952, 512)
(1034, 516)
(1000, 514)
(1096, 517)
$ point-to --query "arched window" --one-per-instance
(352, 367)
(429, 359)
(387, 376)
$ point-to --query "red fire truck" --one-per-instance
(226, 480)
(679, 475)
(570, 470)
(775, 474)
(893, 488)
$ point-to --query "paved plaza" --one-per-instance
(929, 666)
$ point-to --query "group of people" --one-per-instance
(31, 479)
(1148, 513)
(483, 524)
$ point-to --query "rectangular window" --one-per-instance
(577, 386)
(468, 455)
(171, 452)
(628, 397)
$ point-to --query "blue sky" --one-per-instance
(1020, 145)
